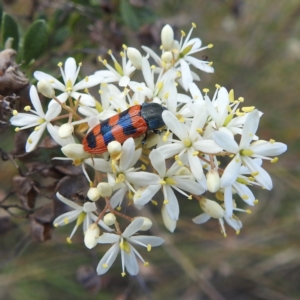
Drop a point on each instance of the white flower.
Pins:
(122, 174)
(214, 210)
(120, 74)
(183, 52)
(69, 88)
(190, 142)
(123, 243)
(37, 119)
(244, 151)
(82, 214)
(91, 236)
(169, 180)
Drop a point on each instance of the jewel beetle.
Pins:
(133, 122)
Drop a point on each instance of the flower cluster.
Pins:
(187, 144)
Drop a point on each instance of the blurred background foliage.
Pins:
(257, 53)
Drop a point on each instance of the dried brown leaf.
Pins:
(23, 188)
(40, 232)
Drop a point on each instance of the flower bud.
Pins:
(135, 57)
(167, 57)
(147, 224)
(91, 236)
(213, 181)
(167, 37)
(93, 194)
(45, 88)
(169, 223)
(65, 130)
(114, 148)
(75, 151)
(104, 189)
(212, 208)
(109, 219)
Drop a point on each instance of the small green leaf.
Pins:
(10, 30)
(134, 17)
(128, 15)
(35, 41)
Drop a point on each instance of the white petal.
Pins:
(99, 164)
(70, 216)
(195, 165)
(187, 77)
(265, 148)
(108, 238)
(133, 227)
(169, 223)
(263, 177)
(154, 241)
(147, 73)
(189, 185)
(88, 82)
(117, 197)
(127, 154)
(142, 178)
(68, 202)
(108, 258)
(124, 81)
(130, 262)
(34, 137)
(153, 55)
(236, 224)
(158, 162)
(22, 119)
(53, 111)
(249, 129)
(207, 146)
(225, 141)
(36, 102)
(231, 172)
(245, 193)
(170, 149)
(70, 69)
(172, 206)
(54, 82)
(201, 218)
(85, 99)
(174, 125)
(144, 196)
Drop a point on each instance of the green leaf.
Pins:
(129, 16)
(10, 30)
(35, 41)
(134, 17)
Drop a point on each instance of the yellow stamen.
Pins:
(205, 90)
(60, 64)
(248, 108)
(166, 201)
(148, 247)
(254, 173)
(217, 86)
(27, 108)
(69, 240)
(154, 202)
(274, 160)
(15, 112)
(246, 152)
(210, 45)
